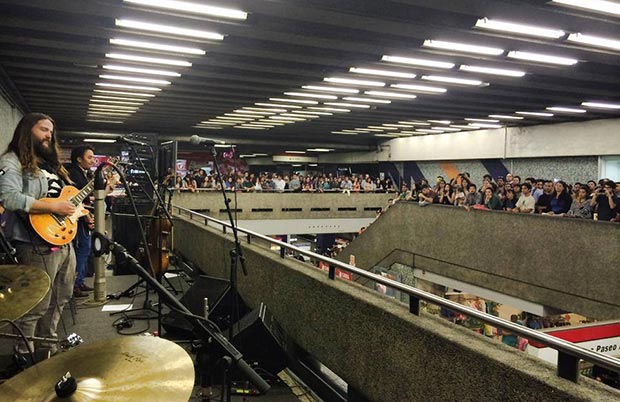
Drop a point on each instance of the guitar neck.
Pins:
(79, 197)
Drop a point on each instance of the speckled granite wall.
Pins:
(9, 117)
(569, 169)
(374, 343)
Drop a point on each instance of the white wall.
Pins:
(597, 137)
(9, 117)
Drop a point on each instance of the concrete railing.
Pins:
(286, 205)
(567, 264)
(569, 354)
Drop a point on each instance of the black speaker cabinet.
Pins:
(220, 300)
(262, 341)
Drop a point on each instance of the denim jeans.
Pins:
(43, 319)
(82, 251)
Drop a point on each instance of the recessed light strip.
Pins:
(531, 30)
(383, 73)
(463, 47)
(156, 46)
(193, 8)
(173, 30)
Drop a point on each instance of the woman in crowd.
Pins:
(446, 195)
(580, 207)
(510, 202)
(490, 200)
(560, 200)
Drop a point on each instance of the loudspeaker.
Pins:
(125, 230)
(262, 341)
(220, 299)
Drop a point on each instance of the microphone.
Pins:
(129, 141)
(195, 139)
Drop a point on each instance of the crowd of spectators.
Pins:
(275, 182)
(592, 200)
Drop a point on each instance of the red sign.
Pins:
(323, 266)
(344, 275)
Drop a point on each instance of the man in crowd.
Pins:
(544, 200)
(33, 171)
(526, 203)
(605, 201)
(82, 159)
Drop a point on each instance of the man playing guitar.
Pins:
(33, 171)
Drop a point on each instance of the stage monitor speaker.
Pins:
(220, 299)
(262, 341)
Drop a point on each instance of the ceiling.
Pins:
(53, 52)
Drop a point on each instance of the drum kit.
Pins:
(135, 368)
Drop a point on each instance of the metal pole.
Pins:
(100, 283)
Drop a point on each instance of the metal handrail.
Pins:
(568, 353)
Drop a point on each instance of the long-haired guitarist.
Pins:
(33, 171)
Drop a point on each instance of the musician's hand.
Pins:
(63, 208)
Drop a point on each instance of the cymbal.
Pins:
(128, 369)
(21, 288)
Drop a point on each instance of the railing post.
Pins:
(414, 305)
(249, 239)
(332, 272)
(224, 229)
(568, 366)
(282, 251)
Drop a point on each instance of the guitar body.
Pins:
(55, 229)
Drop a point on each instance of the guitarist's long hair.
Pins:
(24, 147)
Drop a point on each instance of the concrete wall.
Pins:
(254, 205)
(569, 264)
(373, 343)
(9, 117)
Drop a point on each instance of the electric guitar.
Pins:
(60, 230)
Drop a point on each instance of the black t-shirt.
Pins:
(54, 182)
(545, 201)
(605, 213)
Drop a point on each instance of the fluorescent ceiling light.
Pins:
(415, 123)
(505, 117)
(331, 89)
(383, 73)
(420, 88)
(372, 130)
(104, 91)
(329, 109)
(295, 152)
(398, 125)
(240, 118)
(418, 62)
(543, 58)
(382, 128)
(601, 105)
(303, 113)
(105, 121)
(482, 120)
(224, 145)
(106, 106)
(532, 30)
(252, 112)
(462, 127)
(99, 114)
(134, 79)
(308, 116)
(286, 100)
(115, 102)
(123, 86)
(209, 128)
(275, 119)
(491, 70)
(463, 47)
(594, 41)
(280, 117)
(143, 59)
(386, 135)
(449, 129)
(193, 8)
(156, 46)
(257, 123)
(311, 113)
(540, 114)
(101, 140)
(446, 122)
(389, 94)
(368, 100)
(485, 125)
(243, 116)
(452, 80)
(343, 133)
(140, 70)
(102, 98)
(252, 128)
(277, 105)
(358, 105)
(565, 109)
(145, 26)
(354, 131)
(602, 6)
(262, 109)
(310, 95)
(364, 83)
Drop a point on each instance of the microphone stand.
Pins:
(236, 254)
(99, 263)
(203, 327)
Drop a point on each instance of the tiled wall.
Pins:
(569, 169)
